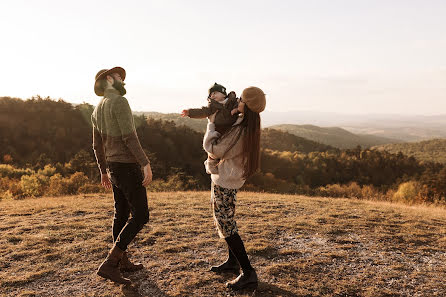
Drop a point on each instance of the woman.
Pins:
(238, 150)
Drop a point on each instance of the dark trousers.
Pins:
(130, 198)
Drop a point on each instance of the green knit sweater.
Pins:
(114, 133)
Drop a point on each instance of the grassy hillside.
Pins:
(429, 150)
(300, 246)
(333, 136)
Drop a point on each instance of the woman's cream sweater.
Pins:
(230, 168)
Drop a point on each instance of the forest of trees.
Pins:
(46, 148)
(433, 150)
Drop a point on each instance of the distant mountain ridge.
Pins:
(331, 136)
(406, 128)
(334, 136)
(398, 128)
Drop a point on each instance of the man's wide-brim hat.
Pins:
(103, 74)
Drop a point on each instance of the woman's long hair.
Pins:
(251, 142)
(250, 132)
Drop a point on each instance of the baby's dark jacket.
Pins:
(223, 118)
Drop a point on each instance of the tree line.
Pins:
(42, 132)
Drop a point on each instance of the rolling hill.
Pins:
(271, 138)
(430, 150)
(283, 141)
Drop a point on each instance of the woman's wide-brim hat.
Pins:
(103, 74)
(254, 98)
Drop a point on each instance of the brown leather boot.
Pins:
(109, 269)
(246, 280)
(128, 266)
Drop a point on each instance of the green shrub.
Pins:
(351, 190)
(10, 171)
(10, 187)
(76, 180)
(6, 195)
(407, 192)
(48, 170)
(175, 182)
(370, 192)
(334, 190)
(90, 188)
(31, 186)
(4, 183)
(76, 183)
(16, 189)
(57, 185)
(268, 182)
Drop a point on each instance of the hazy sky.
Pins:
(353, 56)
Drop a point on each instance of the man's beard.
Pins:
(119, 85)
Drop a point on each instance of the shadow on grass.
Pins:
(269, 290)
(141, 286)
(131, 291)
(142, 290)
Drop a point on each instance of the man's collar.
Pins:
(110, 91)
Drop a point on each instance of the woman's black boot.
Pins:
(248, 278)
(230, 265)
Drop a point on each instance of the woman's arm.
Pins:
(218, 147)
(209, 138)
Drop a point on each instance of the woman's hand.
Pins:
(211, 118)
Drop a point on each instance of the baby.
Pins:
(225, 107)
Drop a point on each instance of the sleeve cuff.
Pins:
(144, 163)
(211, 127)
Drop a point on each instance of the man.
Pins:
(118, 151)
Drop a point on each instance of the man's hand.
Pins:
(185, 113)
(211, 118)
(147, 175)
(105, 181)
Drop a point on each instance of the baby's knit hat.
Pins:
(217, 88)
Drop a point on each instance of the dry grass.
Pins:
(301, 246)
